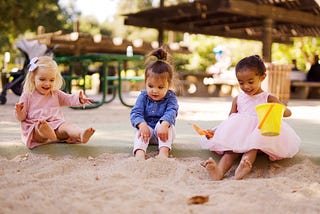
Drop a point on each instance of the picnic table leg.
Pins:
(95, 104)
(120, 84)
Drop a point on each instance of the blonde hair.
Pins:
(47, 63)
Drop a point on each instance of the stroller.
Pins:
(30, 49)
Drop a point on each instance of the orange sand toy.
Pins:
(202, 132)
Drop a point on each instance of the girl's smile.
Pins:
(44, 81)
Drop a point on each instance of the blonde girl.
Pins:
(39, 107)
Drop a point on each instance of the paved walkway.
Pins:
(114, 132)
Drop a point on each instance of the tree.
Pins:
(20, 16)
(303, 50)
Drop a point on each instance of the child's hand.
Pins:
(162, 131)
(144, 132)
(83, 99)
(19, 111)
(19, 107)
(209, 133)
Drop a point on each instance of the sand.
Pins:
(117, 183)
(103, 177)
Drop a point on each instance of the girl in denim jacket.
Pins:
(155, 111)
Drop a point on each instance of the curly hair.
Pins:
(253, 62)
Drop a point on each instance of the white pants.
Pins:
(154, 139)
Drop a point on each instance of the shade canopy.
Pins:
(263, 20)
(77, 43)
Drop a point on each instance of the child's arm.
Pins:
(137, 117)
(66, 99)
(234, 106)
(274, 99)
(171, 111)
(168, 118)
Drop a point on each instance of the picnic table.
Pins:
(78, 68)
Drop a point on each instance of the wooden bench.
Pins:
(304, 90)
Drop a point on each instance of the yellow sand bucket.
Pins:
(270, 117)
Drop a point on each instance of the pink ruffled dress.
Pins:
(44, 107)
(239, 132)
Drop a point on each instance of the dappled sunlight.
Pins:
(305, 112)
(209, 108)
(12, 144)
(7, 123)
(194, 109)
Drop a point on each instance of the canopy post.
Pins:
(160, 30)
(267, 39)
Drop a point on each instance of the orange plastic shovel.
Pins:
(202, 132)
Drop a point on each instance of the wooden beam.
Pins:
(236, 7)
(278, 14)
(190, 28)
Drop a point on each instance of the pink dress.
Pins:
(239, 132)
(44, 107)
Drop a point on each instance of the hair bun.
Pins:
(160, 53)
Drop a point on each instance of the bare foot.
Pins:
(140, 155)
(163, 152)
(212, 169)
(86, 134)
(243, 169)
(46, 131)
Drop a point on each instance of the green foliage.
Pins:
(89, 24)
(202, 55)
(20, 16)
(303, 50)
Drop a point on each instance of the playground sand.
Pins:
(103, 177)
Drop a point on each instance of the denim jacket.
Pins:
(150, 111)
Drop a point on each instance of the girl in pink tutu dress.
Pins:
(39, 107)
(239, 135)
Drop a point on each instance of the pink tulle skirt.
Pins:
(239, 133)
